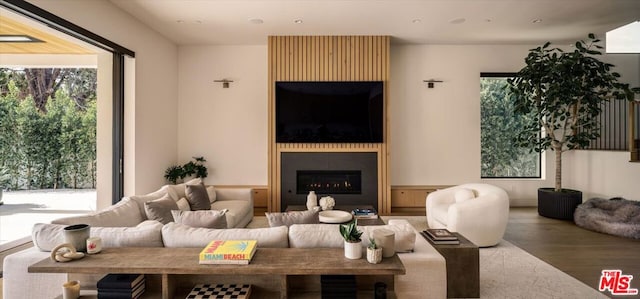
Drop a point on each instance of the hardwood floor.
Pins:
(578, 252)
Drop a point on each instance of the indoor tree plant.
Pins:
(565, 93)
(194, 168)
(352, 240)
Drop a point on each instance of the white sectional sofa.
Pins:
(124, 225)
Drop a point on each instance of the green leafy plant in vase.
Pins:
(352, 240)
(561, 95)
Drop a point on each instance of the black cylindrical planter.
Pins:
(558, 205)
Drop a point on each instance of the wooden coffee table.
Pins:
(463, 268)
(274, 272)
(347, 208)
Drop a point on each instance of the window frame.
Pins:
(119, 52)
(540, 154)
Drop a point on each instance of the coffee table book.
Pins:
(228, 252)
(439, 242)
(364, 213)
(440, 234)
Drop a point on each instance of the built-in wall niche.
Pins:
(350, 178)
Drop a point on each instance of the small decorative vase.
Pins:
(374, 256)
(312, 200)
(327, 203)
(77, 236)
(353, 250)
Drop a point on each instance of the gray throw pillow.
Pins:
(202, 218)
(160, 209)
(290, 218)
(198, 197)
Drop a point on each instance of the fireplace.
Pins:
(329, 181)
(350, 178)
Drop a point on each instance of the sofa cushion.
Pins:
(328, 235)
(160, 209)
(124, 213)
(183, 204)
(141, 199)
(202, 218)
(146, 234)
(295, 217)
(464, 194)
(237, 210)
(180, 235)
(198, 197)
(211, 191)
(179, 191)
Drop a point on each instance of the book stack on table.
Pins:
(440, 236)
(364, 213)
(121, 286)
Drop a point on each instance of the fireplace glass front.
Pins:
(329, 181)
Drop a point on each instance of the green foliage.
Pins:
(499, 125)
(372, 243)
(192, 168)
(45, 148)
(350, 231)
(565, 92)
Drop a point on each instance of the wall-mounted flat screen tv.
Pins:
(327, 112)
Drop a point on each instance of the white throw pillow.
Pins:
(183, 204)
(211, 191)
(464, 194)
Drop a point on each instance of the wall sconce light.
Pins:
(225, 82)
(431, 82)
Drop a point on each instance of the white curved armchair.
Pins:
(481, 219)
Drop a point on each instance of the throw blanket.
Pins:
(616, 216)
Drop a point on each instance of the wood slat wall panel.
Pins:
(328, 58)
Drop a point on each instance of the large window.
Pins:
(499, 125)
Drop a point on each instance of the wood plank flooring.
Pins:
(578, 252)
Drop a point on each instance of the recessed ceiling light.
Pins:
(256, 21)
(18, 38)
(416, 21)
(298, 21)
(458, 21)
(535, 21)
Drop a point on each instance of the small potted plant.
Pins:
(374, 252)
(352, 240)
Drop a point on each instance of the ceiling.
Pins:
(214, 22)
(50, 43)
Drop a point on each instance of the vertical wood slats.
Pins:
(328, 58)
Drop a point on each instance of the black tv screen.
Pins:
(326, 112)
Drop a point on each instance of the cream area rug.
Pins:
(507, 271)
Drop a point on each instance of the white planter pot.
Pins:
(353, 250)
(374, 256)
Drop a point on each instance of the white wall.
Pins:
(156, 90)
(228, 126)
(435, 133)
